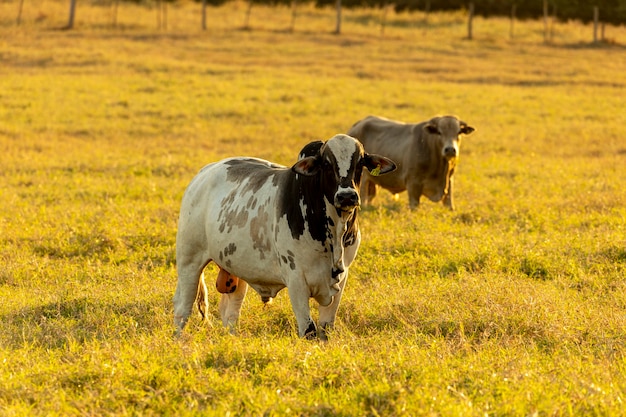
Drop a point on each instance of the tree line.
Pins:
(612, 11)
(600, 12)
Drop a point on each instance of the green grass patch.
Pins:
(512, 305)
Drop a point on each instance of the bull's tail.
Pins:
(202, 300)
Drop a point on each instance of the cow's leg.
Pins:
(447, 198)
(371, 189)
(299, 296)
(329, 312)
(230, 305)
(368, 189)
(414, 201)
(415, 192)
(189, 270)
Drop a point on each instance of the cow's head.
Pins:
(447, 130)
(339, 162)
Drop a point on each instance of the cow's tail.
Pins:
(202, 300)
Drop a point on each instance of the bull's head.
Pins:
(339, 162)
(448, 130)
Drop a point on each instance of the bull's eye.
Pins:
(434, 130)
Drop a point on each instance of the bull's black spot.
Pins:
(232, 290)
(229, 250)
(229, 282)
(259, 231)
(300, 189)
(288, 260)
(253, 172)
(252, 202)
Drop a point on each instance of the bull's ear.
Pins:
(378, 165)
(307, 166)
(466, 129)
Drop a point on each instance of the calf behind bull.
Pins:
(274, 227)
(427, 154)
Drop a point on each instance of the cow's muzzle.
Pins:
(449, 152)
(347, 200)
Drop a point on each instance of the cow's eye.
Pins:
(433, 130)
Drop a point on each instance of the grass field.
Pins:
(514, 304)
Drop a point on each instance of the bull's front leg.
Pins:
(415, 191)
(329, 312)
(447, 198)
(299, 296)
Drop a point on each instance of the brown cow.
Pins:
(426, 154)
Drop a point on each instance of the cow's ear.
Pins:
(308, 166)
(378, 165)
(466, 129)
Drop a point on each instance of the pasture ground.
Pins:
(515, 304)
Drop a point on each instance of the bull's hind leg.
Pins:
(230, 305)
(189, 270)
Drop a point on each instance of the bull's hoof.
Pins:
(311, 332)
(324, 330)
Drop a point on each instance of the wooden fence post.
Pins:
(596, 18)
(469, 20)
(513, 11)
(545, 20)
(204, 2)
(70, 22)
(338, 8)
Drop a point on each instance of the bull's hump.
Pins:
(252, 172)
(238, 169)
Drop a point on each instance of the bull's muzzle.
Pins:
(347, 199)
(449, 152)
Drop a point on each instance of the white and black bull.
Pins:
(274, 227)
